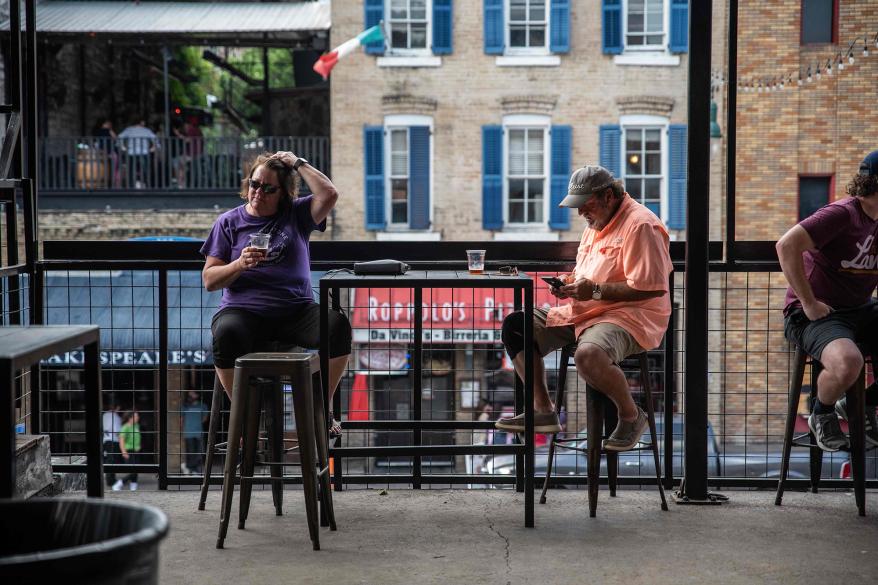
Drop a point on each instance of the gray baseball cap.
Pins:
(584, 183)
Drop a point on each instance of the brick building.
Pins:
(471, 120)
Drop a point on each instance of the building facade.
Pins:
(467, 124)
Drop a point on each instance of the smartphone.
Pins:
(553, 281)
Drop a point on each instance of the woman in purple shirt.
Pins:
(267, 293)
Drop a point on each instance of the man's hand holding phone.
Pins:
(556, 282)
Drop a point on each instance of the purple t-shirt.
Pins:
(283, 280)
(843, 270)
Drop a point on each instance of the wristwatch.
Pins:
(299, 162)
(596, 293)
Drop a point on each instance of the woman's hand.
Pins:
(250, 257)
(286, 157)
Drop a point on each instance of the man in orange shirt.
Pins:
(620, 304)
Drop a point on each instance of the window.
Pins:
(528, 22)
(643, 165)
(645, 24)
(813, 194)
(399, 177)
(526, 177)
(408, 24)
(819, 21)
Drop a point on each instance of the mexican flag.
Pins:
(327, 61)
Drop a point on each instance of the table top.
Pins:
(431, 278)
(24, 345)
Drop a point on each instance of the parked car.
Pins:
(763, 461)
(631, 463)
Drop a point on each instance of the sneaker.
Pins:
(133, 486)
(544, 422)
(117, 487)
(185, 469)
(627, 433)
(827, 431)
(871, 423)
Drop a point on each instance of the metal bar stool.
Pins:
(856, 425)
(601, 420)
(303, 370)
(214, 448)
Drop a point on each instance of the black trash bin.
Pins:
(80, 541)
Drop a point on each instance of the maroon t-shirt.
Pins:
(842, 270)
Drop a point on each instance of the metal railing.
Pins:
(92, 163)
(148, 295)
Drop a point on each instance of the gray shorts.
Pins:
(855, 323)
(614, 340)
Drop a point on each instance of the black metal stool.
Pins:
(601, 421)
(856, 415)
(274, 432)
(303, 370)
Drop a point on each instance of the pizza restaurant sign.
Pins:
(447, 314)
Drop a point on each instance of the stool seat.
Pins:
(856, 425)
(601, 421)
(303, 372)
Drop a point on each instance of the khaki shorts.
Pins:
(611, 338)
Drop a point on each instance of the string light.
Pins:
(799, 80)
(829, 67)
(865, 48)
(817, 74)
(841, 62)
(809, 78)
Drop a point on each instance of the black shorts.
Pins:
(855, 323)
(237, 332)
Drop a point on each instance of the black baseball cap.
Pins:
(869, 166)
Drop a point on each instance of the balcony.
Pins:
(90, 172)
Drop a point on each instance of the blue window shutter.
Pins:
(679, 41)
(419, 177)
(494, 27)
(559, 33)
(373, 144)
(492, 177)
(442, 27)
(374, 15)
(562, 143)
(611, 148)
(612, 24)
(678, 175)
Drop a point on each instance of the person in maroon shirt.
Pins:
(830, 260)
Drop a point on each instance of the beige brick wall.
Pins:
(468, 89)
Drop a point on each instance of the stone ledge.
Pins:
(528, 104)
(646, 104)
(404, 103)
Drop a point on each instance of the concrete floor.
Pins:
(470, 537)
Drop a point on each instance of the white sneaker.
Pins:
(133, 486)
(185, 469)
(117, 487)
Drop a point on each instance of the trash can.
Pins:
(80, 541)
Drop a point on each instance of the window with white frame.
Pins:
(644, 166)
(398, 177)
(645, 24)
(528, 25)
(526, 175)
(408, 23)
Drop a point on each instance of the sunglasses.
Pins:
(266, 187)
(508, 271)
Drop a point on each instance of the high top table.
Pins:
(22, 347)
(418, 280)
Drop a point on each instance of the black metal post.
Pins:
(697, 244)
(731, 129)
(163, 380)
(417, 382)
(93, 433)
(266, 95)
(670, 389)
